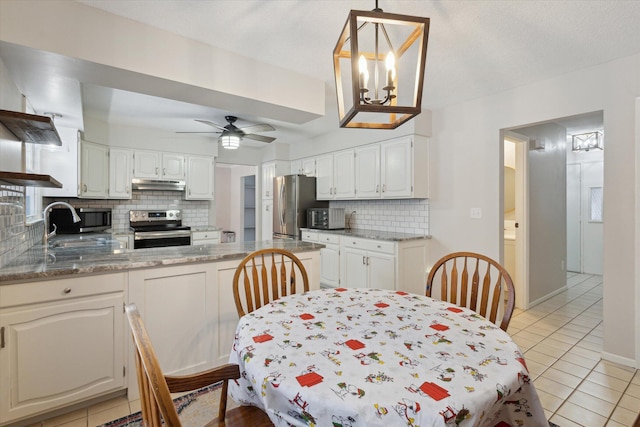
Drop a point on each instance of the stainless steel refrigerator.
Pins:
(292, 196)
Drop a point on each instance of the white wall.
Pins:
(10, 147)
(465, 157)
(223, 197)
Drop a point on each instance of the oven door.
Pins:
(160, 239)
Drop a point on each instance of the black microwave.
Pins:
(91, 220)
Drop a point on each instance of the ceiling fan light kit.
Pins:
(231, 135)
(379, 63)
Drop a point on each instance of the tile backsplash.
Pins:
(402, 216)
(15, 236)
(195, 213)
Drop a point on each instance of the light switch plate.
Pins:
(476, 213)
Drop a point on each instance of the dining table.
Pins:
(347, 357)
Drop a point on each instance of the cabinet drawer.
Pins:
(370, 245)
(202, 235)
(310, 236)
(60, 289)
(328, 238)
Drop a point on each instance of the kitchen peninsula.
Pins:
(65, 339)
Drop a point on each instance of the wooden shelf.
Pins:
(29, 179)
(30, 127)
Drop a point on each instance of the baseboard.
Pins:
(626, 361)
(546, 297)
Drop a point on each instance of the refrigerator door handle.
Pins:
(283, 204)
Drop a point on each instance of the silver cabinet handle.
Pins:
(378, 188)
(363, 261)
(368, 260)
(384, 188)
(67, 290)
(164, 171)
(84, 188)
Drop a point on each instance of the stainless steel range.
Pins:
(155, 229)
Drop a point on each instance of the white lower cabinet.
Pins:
(62, 342)
(364, 268)
(383, 264)
(211, 237)
(179, 307)
(329, 256)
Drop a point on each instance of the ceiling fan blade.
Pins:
(207, 122)
(199, 132)
(259, 127)
(260, 138)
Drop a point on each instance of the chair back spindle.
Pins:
(267, 275)
(483, 294)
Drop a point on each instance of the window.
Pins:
(595, 204)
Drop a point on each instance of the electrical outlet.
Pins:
(476, 213)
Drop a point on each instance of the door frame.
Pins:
(522, 213)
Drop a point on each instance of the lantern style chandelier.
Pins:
(587, 141)
(368, 95)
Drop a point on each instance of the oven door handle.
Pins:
(147, 235)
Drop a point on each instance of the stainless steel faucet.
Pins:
(45, 215)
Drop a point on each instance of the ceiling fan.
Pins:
(231, 135)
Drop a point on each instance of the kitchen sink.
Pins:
(79, 243)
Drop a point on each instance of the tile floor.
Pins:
(561, 339)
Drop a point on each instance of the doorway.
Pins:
(553, 189)
(230, 199)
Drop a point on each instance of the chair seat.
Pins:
(243, 416)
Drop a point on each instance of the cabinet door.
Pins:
(173, 166)
(367, 165)
(178, 307)
(119, 173)
(296, 167)
(267, 219)
(344, 179)
(330, 265)
(396, 168)
(309, 167)
(355, 268)
(268, 173)
(146, 164)
(200, 178)
(60, 353)
(94, 170)
(324, 177)
(382, 271)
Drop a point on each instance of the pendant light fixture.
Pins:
(230, 140)
(379, 63)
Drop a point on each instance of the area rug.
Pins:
(195, 409)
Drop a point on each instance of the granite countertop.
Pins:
(42, 262)
(373, 234)
(213, 228)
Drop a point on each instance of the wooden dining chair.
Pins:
(474, 281)
(266, 275)
(155, 387)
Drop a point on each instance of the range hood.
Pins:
(30, 127)
(157, 184)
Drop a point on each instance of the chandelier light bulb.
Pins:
(390, 62)
(364, 73)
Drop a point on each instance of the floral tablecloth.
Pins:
(364, 357)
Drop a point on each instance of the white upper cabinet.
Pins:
(94, 171)
(157, 165)
(296, 167)
(335, 175)
(309, 167)
(394, 169)
(200, 178)
(120, 170)
(367, 168)
(269, 171)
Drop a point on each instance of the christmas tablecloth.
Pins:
(365, 357)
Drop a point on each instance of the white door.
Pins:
(368, 172)
(330, 265)
(382, 271)
(396, 171)
(574, 241)
(119, 173)
(344, 185)
(355, 268)
(324, 177)
(592, 221)
(173, 166)
(146, 164)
